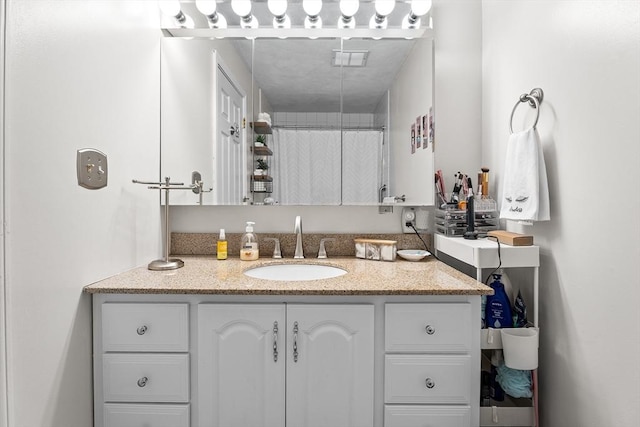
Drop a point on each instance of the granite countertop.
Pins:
(206, 275)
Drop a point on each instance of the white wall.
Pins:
(458, 87)
(585, 55)
(78, 74)
(410, 98)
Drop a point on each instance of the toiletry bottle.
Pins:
(221, 246)
(495, 390)
(498, 308)
(249, 244)
(506, 281)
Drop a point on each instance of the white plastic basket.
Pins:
(520, 347)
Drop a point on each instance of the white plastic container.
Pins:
(520, 348)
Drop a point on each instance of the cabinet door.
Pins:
(241, 362)
(330, 365)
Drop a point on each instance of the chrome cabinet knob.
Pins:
(142, 329)
(142, 381)
(430, 383)
(430, 330)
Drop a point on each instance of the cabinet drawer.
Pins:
(427, 379)
(427, 416)
(145, 327)
(136, 415)
(428, 328)
(145, 377)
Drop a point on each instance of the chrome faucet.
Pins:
(299, 253)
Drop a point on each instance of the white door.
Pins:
(241, 365)
(229, 152)
(330, 365)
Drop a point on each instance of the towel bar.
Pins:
(534, 98)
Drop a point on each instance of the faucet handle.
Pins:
(322, 253)
(277, 254)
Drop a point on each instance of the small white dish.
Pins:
(413, 254)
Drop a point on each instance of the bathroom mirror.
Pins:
(343, 117)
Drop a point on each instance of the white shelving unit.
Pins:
(483, 254)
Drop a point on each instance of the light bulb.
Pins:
(420, 7)
(282, 22)
(250, 23)
(385, 7)
(169, 7)
(350, 24)
(219, 22)
(206, 7)
(349, 7)
(312, 7)
(408, 23)
(312, 23)
(241, 8)
(187, 22)
(378, 24)
(277, 7)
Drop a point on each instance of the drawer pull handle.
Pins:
(275, 341)
(430, 383)
(430, 330)
(142, 329)
(142, 381)
(295, 342)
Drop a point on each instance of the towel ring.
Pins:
(534, 98)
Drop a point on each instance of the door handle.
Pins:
(235, 130)
(295, 342)
(275, 341)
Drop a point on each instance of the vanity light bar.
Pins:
(384, 15)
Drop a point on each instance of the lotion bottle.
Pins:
(221, 246)
(249, 244)
(498, 307)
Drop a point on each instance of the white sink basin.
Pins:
(295, 272)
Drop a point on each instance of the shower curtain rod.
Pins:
(328, 127)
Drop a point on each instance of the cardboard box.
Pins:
(512, 239)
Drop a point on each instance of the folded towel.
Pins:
(525, 191)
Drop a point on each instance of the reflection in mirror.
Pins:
(205, 90)
(302, 87)
(340, 134)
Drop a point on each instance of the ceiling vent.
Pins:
(349, 58)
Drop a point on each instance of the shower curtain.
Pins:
(308, 167)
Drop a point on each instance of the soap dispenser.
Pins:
(249, 244)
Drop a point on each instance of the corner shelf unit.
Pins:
(261, 184)
(261, 128)
(483, 254)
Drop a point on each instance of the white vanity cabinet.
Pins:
(429, 364)
(257, 369)
(143, 358)
(286, 360)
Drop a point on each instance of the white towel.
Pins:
(525, 191)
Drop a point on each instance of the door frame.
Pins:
(220, 65)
